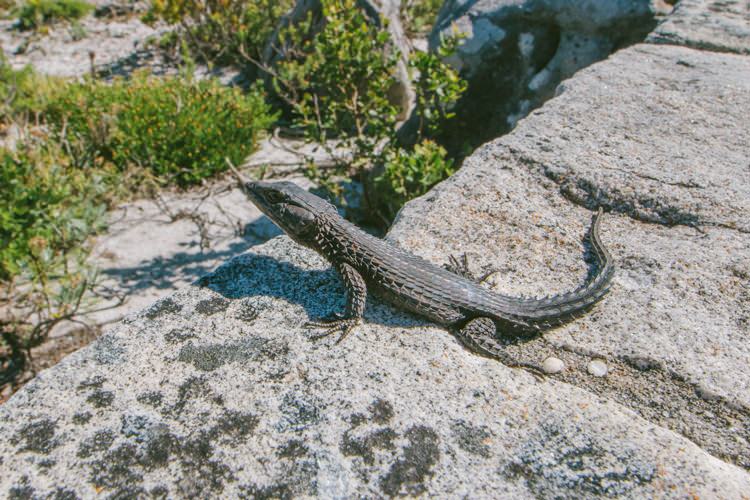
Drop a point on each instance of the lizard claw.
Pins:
(461, 267)
(343, 325)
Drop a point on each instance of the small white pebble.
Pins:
(553, 365)
(597, 368)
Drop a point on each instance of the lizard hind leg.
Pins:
(460, 266)
(333, 325)
(478, 335)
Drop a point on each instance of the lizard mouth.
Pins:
(256, 193)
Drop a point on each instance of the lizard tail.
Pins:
(548, 312)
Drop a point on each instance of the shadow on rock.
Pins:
(319, 292)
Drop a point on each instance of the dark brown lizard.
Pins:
(366, 263)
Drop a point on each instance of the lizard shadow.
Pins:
(320, 292)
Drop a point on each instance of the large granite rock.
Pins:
(218, 390)
(515, 52)
(635, 135)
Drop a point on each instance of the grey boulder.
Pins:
(515, 52)
(219, 390)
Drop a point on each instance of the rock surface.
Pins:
(220, 390)
(196, 231)
(657, 135)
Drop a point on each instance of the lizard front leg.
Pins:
(478, 334)
(356, 297)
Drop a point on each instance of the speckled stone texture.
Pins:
(658, 136)
(219, 389)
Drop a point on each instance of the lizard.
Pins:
(366, 263)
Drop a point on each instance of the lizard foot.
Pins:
(461, 267)
(343, 325)
(479, 336)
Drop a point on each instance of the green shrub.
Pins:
(408, 174)
(223, 31)
(53, 196)
(36, 13)
(48, 210)
(336, 81)
(438, 87)
(16, 86)
(47, 214)
(181, 130)
(418, 16)
(22, 91)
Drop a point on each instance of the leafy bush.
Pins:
(335, 77)
(181, 130)
(223, 31)
(47, 215)
(418, 16)
(36, 13)
(16, 86)
(408, 174)
(338, 79)
(92, 136)
(48, 209)
(438, 87)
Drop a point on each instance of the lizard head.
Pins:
(290, 207)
